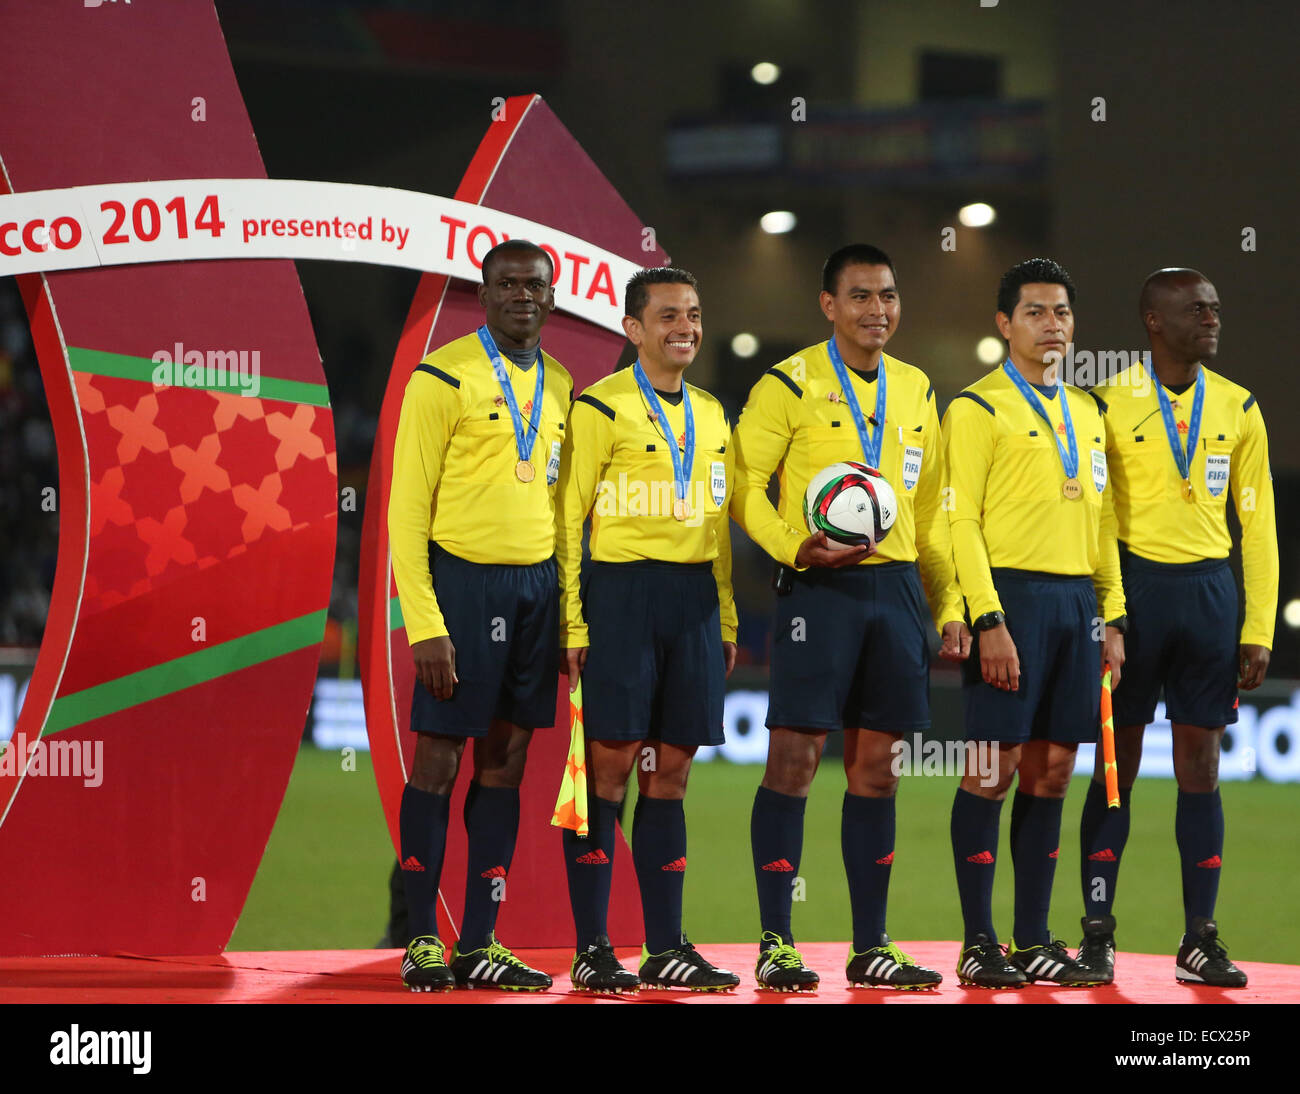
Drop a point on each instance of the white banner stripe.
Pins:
(206, 219)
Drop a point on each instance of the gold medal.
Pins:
(681, 510)
(1187, 490)
(1071, 489)
(524, 471)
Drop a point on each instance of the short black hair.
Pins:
(855, 254)
(1164, 279)
(637, 294)
(521, 245)
(1032, 271)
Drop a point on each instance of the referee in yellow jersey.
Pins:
(652, 630)
(1033, 534)
(471, 522)
(850, 646)
(1181, 439)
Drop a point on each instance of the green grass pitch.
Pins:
(323, 883)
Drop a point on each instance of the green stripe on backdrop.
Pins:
(122, 367)
(185, 672)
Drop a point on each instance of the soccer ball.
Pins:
(852, 503)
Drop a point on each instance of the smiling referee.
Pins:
(653, 629)
(471, 522)
(850, 647)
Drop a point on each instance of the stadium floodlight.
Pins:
(989, 350)
(778, 222)
(977, 215)
(744, 344)
(1291, 614)
(765, 72)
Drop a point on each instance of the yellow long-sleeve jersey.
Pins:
(797, 422)
(1004, 496)
(616, 467)
(454, 476)
(1156, 521)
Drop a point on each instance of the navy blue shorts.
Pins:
(851, 648)
(505, 624)
(1182, 637)
(655, 668)
(1052, 620)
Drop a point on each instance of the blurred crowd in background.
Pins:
(29, 468)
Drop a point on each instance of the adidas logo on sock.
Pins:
(496, 871)
(1211, 863)
(888, 860)
(1055, 854)
(676, 866)
(984, 858)
(1103, 856)
(593, 858)
(780, 866)
(412, 864)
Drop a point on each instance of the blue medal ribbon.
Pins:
(1182, 459)
(1070, 456)
(524, 438)
(870, 445)
(682, 465)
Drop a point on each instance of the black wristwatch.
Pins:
(988, 620)
(1120, 623)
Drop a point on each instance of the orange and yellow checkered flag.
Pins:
(571, 806)
(1108, 739)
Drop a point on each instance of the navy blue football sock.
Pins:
(589, 864)
(1198, 827)
(974, 832)
(422, 826)
(491, 825)
(867, 842)
(659, 855)
(776, 838)
(1035, 844)
(1103, 832)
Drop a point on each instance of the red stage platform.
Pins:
(371, 976)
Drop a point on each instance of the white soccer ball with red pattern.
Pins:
(852, 503)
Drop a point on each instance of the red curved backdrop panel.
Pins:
(196, 525)
(530, 165)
